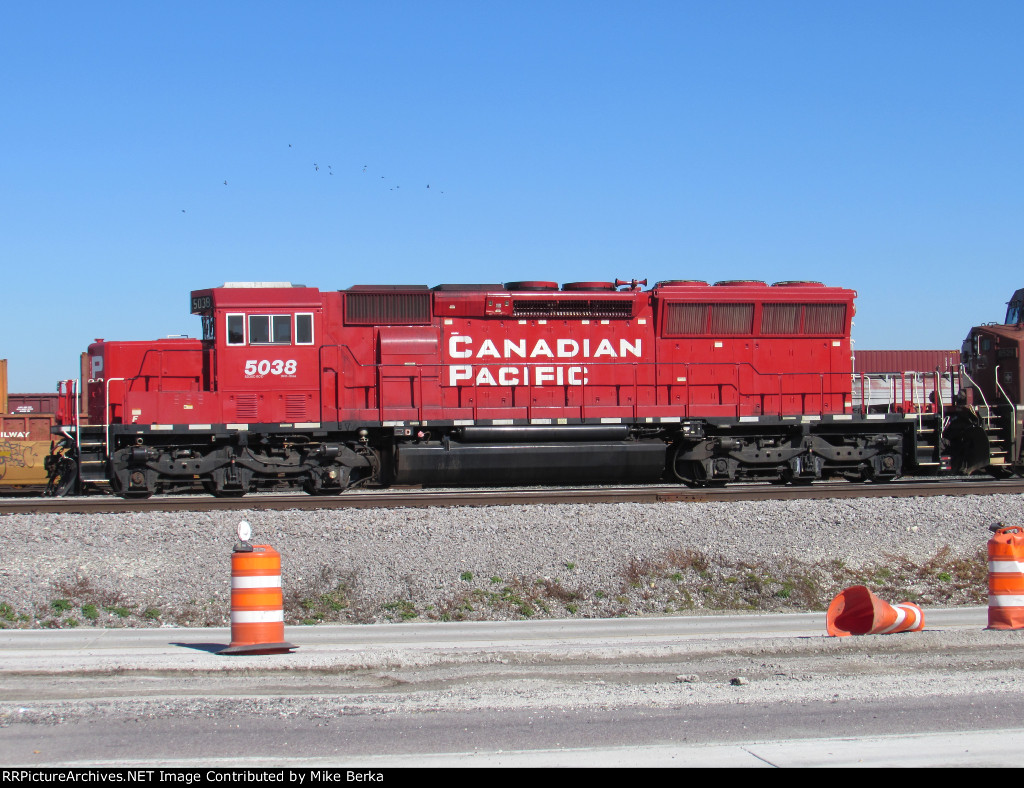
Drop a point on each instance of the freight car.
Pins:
(487, 384)
(24, 440)
(905, 380)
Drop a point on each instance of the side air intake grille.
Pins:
(564, 307)
(246, 407)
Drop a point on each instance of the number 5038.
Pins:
(265, 367)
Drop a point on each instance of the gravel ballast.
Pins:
(501, 562)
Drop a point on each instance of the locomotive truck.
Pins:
(508, 383)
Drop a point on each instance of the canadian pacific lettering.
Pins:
(463, 346)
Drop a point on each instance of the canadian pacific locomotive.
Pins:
(509, 383)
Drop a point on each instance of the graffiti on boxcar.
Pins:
(16, 455)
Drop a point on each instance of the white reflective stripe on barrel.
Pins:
(1007, 600)
(256, 616)
(1006, 566)
(260, 581)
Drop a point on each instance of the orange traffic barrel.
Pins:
(856, 611)
(1006, 579)
(257, 604)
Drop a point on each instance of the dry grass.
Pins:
(682, 580)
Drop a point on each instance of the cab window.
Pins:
(236, 329)
(304, 329)
(270, 329)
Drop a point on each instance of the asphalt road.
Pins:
(765, 690)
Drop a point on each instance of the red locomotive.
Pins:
(985, 433)
(490, 384)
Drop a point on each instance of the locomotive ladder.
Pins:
(92, 457)
(928, 443)
(997, 424)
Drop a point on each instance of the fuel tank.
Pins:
(552, 462)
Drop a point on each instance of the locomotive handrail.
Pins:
(320, 362)
(988, 421)
(895, 388)
(995, 375)
(1013, 410)
(160, 366)
(106, 410)
(416, 372)
(78, 413)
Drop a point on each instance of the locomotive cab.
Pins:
(992, 356)
(263, 337)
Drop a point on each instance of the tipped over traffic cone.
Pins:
(856, 611)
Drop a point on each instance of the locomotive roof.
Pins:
(284, 295)
(255, 294)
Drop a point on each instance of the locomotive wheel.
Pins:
(210, 487)
(313, 486)
(309, 488)
(136, 494)
(788, 477)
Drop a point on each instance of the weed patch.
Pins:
(330, 596)
(686, 580)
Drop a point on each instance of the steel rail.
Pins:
(395, 498)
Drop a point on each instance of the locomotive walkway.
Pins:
(395, 497)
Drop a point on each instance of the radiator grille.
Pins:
(686, 318)
(816, 319)
(781, 318)
(732, 318)
(694, 319)
(825, 319)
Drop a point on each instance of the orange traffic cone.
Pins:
(1006, 578)
(856, 611)
(257, 604)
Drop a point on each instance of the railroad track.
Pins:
(404, 497)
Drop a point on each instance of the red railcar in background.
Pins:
(905, 381)
(499, 383)
(32, 403)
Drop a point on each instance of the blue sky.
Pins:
(870, 145)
